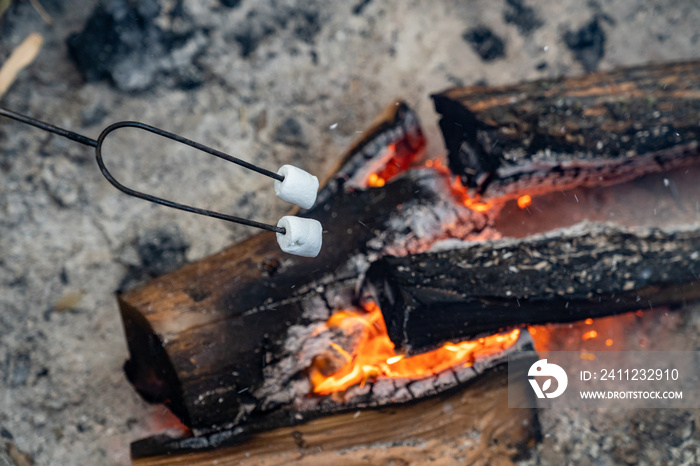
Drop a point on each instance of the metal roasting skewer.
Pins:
(97, 144)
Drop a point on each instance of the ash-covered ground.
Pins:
(274, 82)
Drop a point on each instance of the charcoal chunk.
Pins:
(252, 32)
(162, 250)
(588, 44)
(304, 21)
(485, 43)
(291, 133)
(360, 7)
(525, 18)
(230, 3)
(123, 43)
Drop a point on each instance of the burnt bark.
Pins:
(590, 270)
(557, 134)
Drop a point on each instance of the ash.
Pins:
(266, 80)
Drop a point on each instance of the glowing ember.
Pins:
(375, 181)
(458, 188)
(588, 356)
(399, 158)
(524, 201)
(374, 354)
(620, 331)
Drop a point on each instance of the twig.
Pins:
(22, 56)
(42, 12)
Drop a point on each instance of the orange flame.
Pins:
(374, 354)
(458, 189)
(400, 158)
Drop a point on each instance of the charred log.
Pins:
(590, 270)
(547, 135)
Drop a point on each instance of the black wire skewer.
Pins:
(97, 144)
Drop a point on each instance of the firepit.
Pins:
(416, 296)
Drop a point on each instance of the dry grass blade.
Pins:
(22, 56)
(42, 12)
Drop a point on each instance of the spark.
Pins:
(394, 359)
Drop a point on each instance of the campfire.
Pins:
(433, 271)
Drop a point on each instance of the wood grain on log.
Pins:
(472, 425)
(546, 135)
(586, 271)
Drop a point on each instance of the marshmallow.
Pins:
(302, 237)
(298, 187)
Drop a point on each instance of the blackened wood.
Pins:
(557, 134)
(430, 430)
(206, 338)
(586, 271)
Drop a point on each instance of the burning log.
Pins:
(599, 129)
(587, 271)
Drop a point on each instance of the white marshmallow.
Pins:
(298, 187)
(303, 236)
